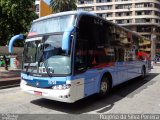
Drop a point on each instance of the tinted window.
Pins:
(93, 38)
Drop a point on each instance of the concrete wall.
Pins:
(16, 50)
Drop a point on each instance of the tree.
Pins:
(63, 5)
(15, 18)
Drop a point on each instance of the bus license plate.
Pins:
(38, 93)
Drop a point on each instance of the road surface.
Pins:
(136, 96)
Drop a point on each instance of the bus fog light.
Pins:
(65, 96)
(66, 86)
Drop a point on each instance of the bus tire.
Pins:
(143, 72)
(104, 86)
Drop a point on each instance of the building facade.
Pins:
(42, 8)
(142, 16)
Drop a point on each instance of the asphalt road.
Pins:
(135, 96)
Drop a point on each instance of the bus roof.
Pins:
(65, 13)
(84, 13)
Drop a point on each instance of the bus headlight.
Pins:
(61, 87)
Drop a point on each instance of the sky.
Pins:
(47, 1)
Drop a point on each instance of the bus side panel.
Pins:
(109, 70)
(90, 78)
(133, 69)
(121, 72)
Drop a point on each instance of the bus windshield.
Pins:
(45, 53)
(54, 24)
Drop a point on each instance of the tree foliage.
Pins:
(63, 5)
(15, 18)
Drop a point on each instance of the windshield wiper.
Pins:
(28, 68)
(24, 58)
(44, 62)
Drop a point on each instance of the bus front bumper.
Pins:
(67, 95)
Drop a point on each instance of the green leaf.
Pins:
(15, 18)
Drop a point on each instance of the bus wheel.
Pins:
(143, 72)
(104, 87)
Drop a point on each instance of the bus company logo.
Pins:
(37, 83)
(36, 75)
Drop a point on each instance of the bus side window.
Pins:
(80, 56)
(121, 55)
(116, 55)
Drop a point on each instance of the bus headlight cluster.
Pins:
(61, 87)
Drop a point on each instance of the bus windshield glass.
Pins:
(54, 24)
(45, 53)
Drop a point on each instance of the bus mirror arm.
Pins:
(66, 41)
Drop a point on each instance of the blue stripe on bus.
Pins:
(120, 72)
(43, 83)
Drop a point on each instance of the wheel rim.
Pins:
(104, 87)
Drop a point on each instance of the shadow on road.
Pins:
(93, 103)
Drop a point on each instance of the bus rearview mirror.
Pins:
(66, 41)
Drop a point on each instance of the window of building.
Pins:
(126, 6)
(85, 1)
(121, 0)
(86, 9)
(157, 13)
(157, 6)
(157, 21)
(37, 7)
(144, 28)
(120, 14)
(105, 15)
(124, 21)
(103, 1)
(139, 13)
(143, 20)
(147, 12)
(142, 5)
(108, 7)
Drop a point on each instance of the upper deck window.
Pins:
(54, 24)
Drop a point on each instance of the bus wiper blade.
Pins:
(46, 67)
(44, 62)
(28, 68)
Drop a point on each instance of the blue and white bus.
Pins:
(71, 55)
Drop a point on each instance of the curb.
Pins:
(9, 83)
(9, 86)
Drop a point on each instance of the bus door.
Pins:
(82, 66)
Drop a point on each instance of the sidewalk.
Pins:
(9, 78)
